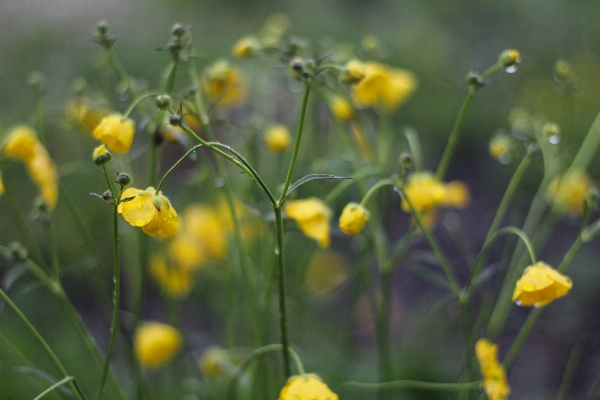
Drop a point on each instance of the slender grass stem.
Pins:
(54, 387)
(410, 384)
(283, 320)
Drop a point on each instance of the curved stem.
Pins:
(375, 187)
(186, 155)
(55, 386)
(137, 101)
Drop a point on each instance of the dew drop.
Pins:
(504, 158)
(149, 216)
(139, 206)
(511, 69)
(139, 222)
(219, 182)
(277, 250)
(554, 139)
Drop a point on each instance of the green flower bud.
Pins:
(17, 251)
(124, 179)
(101, 155)
(509, 58)
(164, 102)
(175, 119)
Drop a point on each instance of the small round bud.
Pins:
(101, 155)
(509, 58)
(178, 30)
(36, 80)
(562, 70)
(405, 158)
(107, 195)
(551, 129)
(175, 119)
(474, 79)
(102, 28)
(353, 72)
(124, 179)
(163, 102)
(17, 251)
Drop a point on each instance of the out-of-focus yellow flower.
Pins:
(341, 108)
(278, 138)
(116, 132)
(540, 285)
(1, 186)
(353, 72)
(569, 192)
(326, 270)
(187, 251)
(275, 26)
(205, 223)
(150, 211)
(312, 216)
(246, 47)
(353, 219)
(215, 362)
(23, 145)
(500, 147)
(383, 87)
(224, 85)
(306, 387)
(494, 376)
(427, 194)
(156, 344)
(85, 114)
(174, 280)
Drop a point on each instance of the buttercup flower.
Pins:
(206, 225)
(278, 138)
(150, 211)
(569, 192)
(215, 362)
(85, 114)
(23, 145)
(353, 219)
(500, 147)
(116, 132)
(353, 72)
(306, 387)
(494, 376)
(540, 285)
(312, 216)
(156, 344)
(1, 186)
(187, 251)
(383, 87)
(427, 194)
(224, 85)
(246, 47)
(340, 108)
(174, 280)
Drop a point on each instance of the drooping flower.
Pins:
(312, 216)
(150, 211)
(116, 132)
(156, 344)
(494, 376)
(353, 219)
(224, 85)
(278, 138)
(23, 145)
(383, 87)
(306, 387)
(540, 285)
(427, 194)
(569, 192)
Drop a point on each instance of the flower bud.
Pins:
(164, 102)
(551, 129)
(353, 72)
(509, 58)
(406, 159)
(17, 251)
(107, 196)
(562, 70)
(178, 30)
(101, 155)
(124, 179)
(353, 219)
(175, 119)
(36, 80)
(246, 47)
(474, 79)
(297, 65)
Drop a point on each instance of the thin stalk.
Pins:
(186, 155)
(567, 380)
(54, 387)
(409, 384)
(283, 321)
(466, 327)
(375, 187)
(594, 389)
(521, 336)
(55, 262)
(42, 342)
(383, 329)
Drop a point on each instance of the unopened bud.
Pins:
(551, 129)
(509, 58)
(474, 79)
(163, 102)
(101, 155)
(17, 251)
(178, 30)
(107, 195)
(124, 179)
(175, 119)
(406, 158)
(562, 70)
(353, 72)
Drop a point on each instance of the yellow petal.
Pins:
(140, 211)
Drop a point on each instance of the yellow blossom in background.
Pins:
(306, 387)
(186, 251)
(353, 219)
(224, 85)
(156, 344)
(353, 72)
(540, 285)
(326, 270)
(215, 362)
(278, 138)
(275, 26)
(246, 47)
(85, 114)
(383, 87)
(340, 108)
(500, 147)
(206, 224)
(1, 186)
(312, 216)
(150, 211)
(116, 132)
(427, 194)
(494, 376)
(569, 192)
(174, 280)
(22, 144)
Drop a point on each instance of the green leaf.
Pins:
(312, 177)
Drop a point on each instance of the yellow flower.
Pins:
(500, 147)
(540, 285)
(383, 87)
(353, 219)
(340, 108)
(306, 387)
(175, 281)
(275, 26)
(85, 114)
(101, 156)
(353, 72)
(204, 223)
(23, 145)
(510, 57)
(278, 138)
(187, 251)
(569, 192)
(494, 376)
(312, 215)
(246, 47)
(1, 186)
(214, 362)
(150, 211)
(427, 194)
(224, 85)
(326, 270)
(156, 344)
(116, 132)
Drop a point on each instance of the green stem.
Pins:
(594, 389)
(375, 187)
(383, 333)
(54, 387)
(588, 147)
(41, 341)
(520, 339)
(283, 321)
(137, 101)
(410, 384)
(567, 380)
(186, 155)
(288, 179)
(466, 327)
(53, 248)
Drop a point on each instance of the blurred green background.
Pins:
(439, 40)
